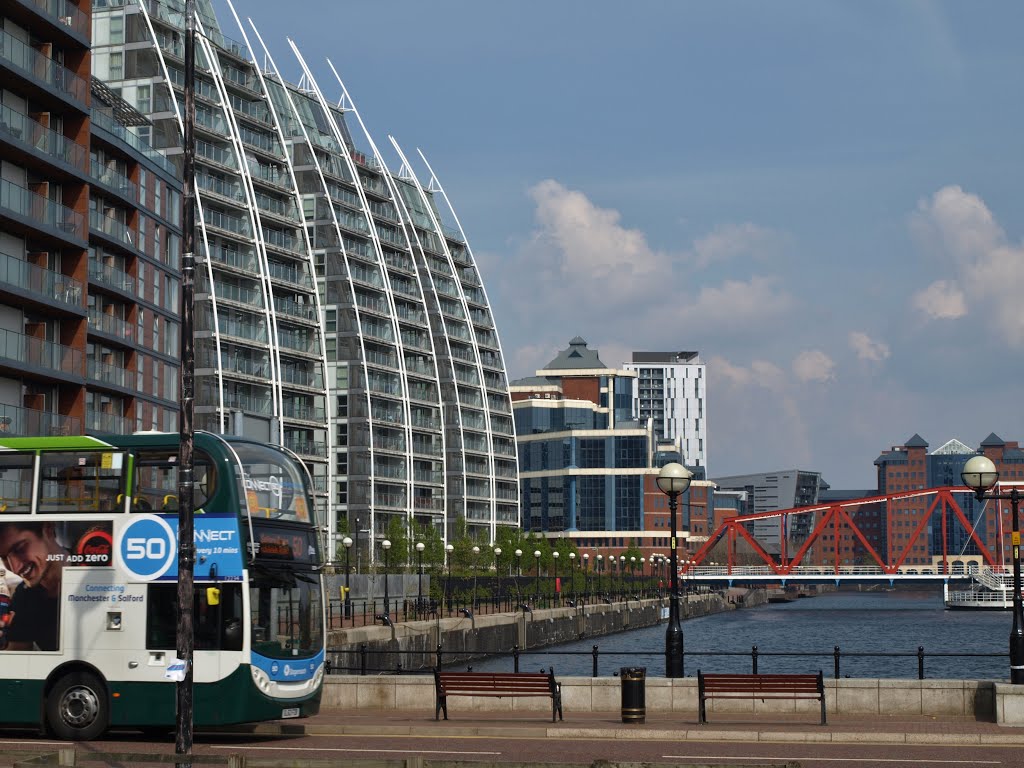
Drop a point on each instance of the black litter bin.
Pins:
(634, 705)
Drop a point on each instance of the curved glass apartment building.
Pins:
(339, 309)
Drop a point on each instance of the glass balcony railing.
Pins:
(64, 12)
(292, 308)
(107, 123)
(28, 422)
(305, 447)
(305, 412)
(111, 276)
(107, 423)
(37, 136)
(27, 350)
(118, 376)
(37, 66)
(40, 281)
(40, 209)
(114, 326)
(112, 228)
(113, 179)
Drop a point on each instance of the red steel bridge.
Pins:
(922, 535)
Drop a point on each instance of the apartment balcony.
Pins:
(302, 412)
(16, 421)
(111, 277)
(116, 329)
(114, 231)
(30, 64)
(113, 181)
(20, 351)
(35, 145)
(305, 447)
(20, 279)
(27, 210)
(100, 119)
(107, 423)
(62, 14)
(110, 375)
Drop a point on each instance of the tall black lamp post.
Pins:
(554, 586)
(980, 475)
(622, 574)
(497, 569)
(572, 574)
(586, 577)
(476, 559)
(536, 585)
(449, 548)
(599, 567)
(420, 546)
(674, 479)
(347, 606)
(386, 546)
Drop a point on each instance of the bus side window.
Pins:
(155, 484)
(87, 481)
(16, 482)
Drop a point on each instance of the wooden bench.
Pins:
(497, 684)
(759, 687)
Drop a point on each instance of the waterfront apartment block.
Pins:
(339, 307)
(89, 240)
(671, 389)
(588, 468)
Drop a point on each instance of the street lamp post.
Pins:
(347, 606)
(980, 475)
(586, 577)
(554, 587)
(449, 548)
(536, 585)
(386, 546)
(476, 557)
(622, 574)
(599, 567)
(497, 569)
(572, 575)
(420, 546)
(674, 479)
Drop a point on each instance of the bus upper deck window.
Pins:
(88, 481)
(16, 482)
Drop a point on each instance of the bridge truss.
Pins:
(877, 537)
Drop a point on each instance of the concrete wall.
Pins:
(413, 644)
(968, 698)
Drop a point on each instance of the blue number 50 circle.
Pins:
(146, 547)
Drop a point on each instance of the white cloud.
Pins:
(731, 240)
(814, 365)
(942, 300)
(867, 348)
(736, 304)
(989, 269)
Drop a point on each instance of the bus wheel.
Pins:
(77, 709)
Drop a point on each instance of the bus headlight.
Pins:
(260, 678)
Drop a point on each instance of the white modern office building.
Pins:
(339, 307)
(671, 390)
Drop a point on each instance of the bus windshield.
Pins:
(286, 610)
(274, 485)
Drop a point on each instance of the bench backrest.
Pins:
(493, 682)
(754, 684)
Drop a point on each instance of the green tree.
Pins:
(398, 535)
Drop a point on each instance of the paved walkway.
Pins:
(841, 729)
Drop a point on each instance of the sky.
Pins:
(821, 198)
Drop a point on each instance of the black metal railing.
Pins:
(373, 661)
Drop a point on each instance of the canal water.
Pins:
(858, 622)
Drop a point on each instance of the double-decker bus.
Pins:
(88, 594)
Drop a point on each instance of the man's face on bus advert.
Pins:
(28, 552)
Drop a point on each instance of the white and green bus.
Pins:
(88, 594)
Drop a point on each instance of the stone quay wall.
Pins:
(983, 700)
(412, 646)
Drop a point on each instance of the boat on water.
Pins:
(988, 591)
